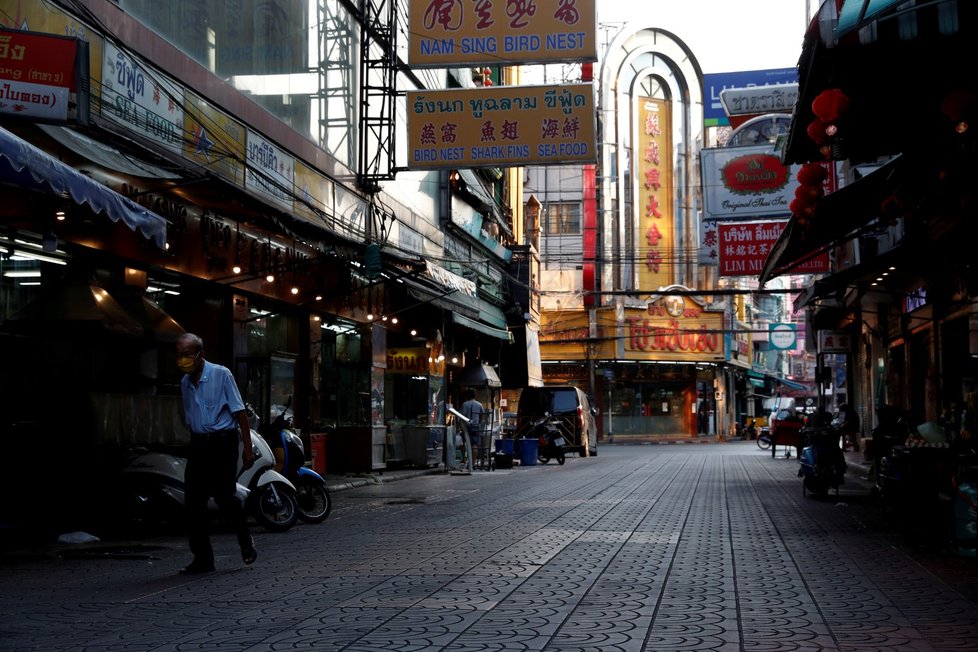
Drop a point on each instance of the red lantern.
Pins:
(830, 105)
(816, 131)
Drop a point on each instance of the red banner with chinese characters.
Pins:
(37, 74)
(744, 247)
(656, 248)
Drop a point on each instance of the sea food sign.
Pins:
(445, 33)
(503, 126)
(674, 329)
(746, 182)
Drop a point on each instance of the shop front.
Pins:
(652, 372)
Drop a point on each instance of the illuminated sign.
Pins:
(500, 32)
(501, 127)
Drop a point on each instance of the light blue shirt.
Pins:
(210, 405)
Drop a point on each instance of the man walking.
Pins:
(216, 417)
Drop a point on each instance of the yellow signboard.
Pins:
(501, 127)
(315, 194)
(500, 32)
(657, 250)
(566, 335)
(674, 329)
(215, 140)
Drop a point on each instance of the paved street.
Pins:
(678, 547)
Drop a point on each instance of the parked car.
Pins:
(569, 406)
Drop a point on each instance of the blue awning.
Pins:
(25, 165)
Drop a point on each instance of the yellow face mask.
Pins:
(187, 365)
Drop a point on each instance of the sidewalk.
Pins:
(338, 482)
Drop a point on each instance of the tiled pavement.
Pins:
(708, 547)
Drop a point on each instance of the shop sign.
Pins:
(834, 342)
(756, 100)
(413, 362)
(452, 32)
(37, 74)
(676, 330)
(743, 248)
(654, 214)
(216, 140)
(745, 182)
(783, 336)
(315, 192)
(501, 127)
(271, 170)
(450, 280)
(142, 101)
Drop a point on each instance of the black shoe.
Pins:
(249, 555)
(196, 568)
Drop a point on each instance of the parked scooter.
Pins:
(822, 464)
(156, 488)
(551, 442)
(312, 496)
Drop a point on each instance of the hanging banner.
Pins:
(743, 247)
(445, 33)
(654, 176)
(501, 127)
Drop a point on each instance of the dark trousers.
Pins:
(212, 470)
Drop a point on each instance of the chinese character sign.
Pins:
(743, 248)
(503, 126)
(655, 246)
(501, 32)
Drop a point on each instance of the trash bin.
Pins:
(528, 451)
(506, 446)
(318, 441)
(505, 450)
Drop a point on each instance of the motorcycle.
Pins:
(312, 496)
(822, 464)
(156, 490)
(551, 442)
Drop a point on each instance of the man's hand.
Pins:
(247, 457)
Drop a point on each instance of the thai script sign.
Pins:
(501, 127)
(654, 184)
(414, 361)
(755, 100)
(501, 32)
(745, 182)
(144, 102)
(743, 247)
(271, 170)
(566, 335)
(674, 330)
(37, 74)
(783, 336)
(715, 83)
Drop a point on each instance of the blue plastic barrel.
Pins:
(528, 451)
(506, 446)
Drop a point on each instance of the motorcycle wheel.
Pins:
(764, 442)
(275, 510)
(815, 486)
(542, 459)
(560, 457)
(313, 500)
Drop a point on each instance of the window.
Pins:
(562, 218)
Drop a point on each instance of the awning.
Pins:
(23, 164)
(856, 13)
(479, 376)
(500, 333)
(838, 216)
(790, 384)
(105, 155)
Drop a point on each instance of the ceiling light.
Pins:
(270, 278)
(295, 289)
(236, 269)
(34, 273)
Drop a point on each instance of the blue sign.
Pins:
(713, 83)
